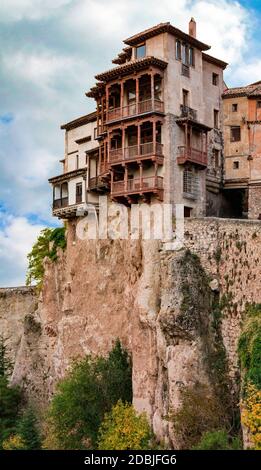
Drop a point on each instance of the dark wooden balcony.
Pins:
(98, 183)
(135, 109)
(192, 155)
(137, 152)
(146, 184)
(59, 203)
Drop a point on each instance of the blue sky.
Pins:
(50, 52)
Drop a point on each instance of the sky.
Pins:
(50, 52)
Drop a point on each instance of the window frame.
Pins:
(233, 139)
(216, 118)
(215, 79)
(137, 48)
(234, 107)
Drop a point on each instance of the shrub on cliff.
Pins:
(46, 245)
(199, 412)
(124, 429)
(249, 351)
(90, 390)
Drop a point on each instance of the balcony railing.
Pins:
(193, 155)
(188, 112)
(136, 152)
(185, 70)
(96, 183)
(58, 203)
(133, 109)
(137, 185)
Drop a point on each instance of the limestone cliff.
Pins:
(173, 311)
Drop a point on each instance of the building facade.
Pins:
(242, 135)
(159, 121)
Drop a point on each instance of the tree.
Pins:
(90, 390)
(6, 365)
(10, 397)
(124, 429)
(218, 440)
(10, 401)
(45, 246)
(27, 429)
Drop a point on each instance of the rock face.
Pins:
(173, 311)
(15, 304)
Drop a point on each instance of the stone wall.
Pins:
(254, 202)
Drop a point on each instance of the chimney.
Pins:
(193, 28)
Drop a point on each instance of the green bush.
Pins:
(92, 387)
(124, 429)
(27, 430)
(46, 246)
(218, 440)
(249, 346)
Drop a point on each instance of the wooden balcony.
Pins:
(97, 183)
(59, 203)
(136, 153)
(135, 109)
(146, 184)
(192, 155)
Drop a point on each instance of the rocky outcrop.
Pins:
(16, 303)
(174, 312)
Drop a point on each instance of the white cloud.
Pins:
(41, 69)
(16, 10)
(16, 240)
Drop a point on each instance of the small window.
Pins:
(185, 97)
(178, 50)
(234, 107)
(140, 51)
(95, 132)
(78, 193)
(236, 165)
(77, 162)
(258, 104)
(235, 134)
(216, 118)
(191, 56)
(215, 79)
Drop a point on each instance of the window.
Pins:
(76, 162)
(185, 97)
(216, 118)
(258, 104)
(216, 158)
(191, 56)
(235, 134)
(215, 79)
(185, 54)
(236, 165)
(190, 184)
(234, 107)
(95, 132)
(78, 193)
(178, 50)
(140, 51)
